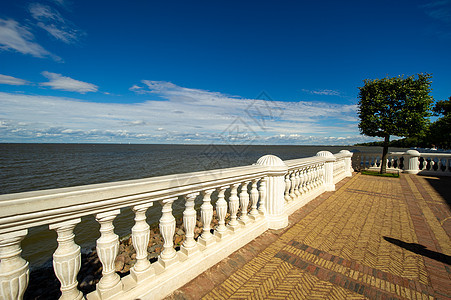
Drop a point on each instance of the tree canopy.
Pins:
(440, 131)
(394, 106)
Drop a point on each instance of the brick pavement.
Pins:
(377, 238)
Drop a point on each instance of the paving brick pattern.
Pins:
(376, 238)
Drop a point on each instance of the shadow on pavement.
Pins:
(421, 250)
(441, 185)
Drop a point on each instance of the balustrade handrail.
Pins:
(28, 209)
(423, 154)
(303, 162)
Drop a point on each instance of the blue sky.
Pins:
(262, 72)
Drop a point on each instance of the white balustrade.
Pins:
(414, 162)
(260, 196)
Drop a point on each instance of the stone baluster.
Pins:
(244, 203)
(312, 177)
(297, 179)
(320, 174)
(293, 184)
(107, 250)
(167, 229)
(262, 193)
(305, 175)
(303, 181)
(13, 268)
(315, 176)
(221, 211)
(189, 246)
(140, 239)
(309, 179)
(254, 200)
(67, 259)
(234, 206)
(206, 215)
(288, 185)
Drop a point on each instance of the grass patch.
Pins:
(376, 173)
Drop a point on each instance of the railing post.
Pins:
(275, 201)
(348, 162)
(67, 259)
(411, 162)
(328, 170)
(13, 268)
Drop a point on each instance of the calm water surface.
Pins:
(29, 167)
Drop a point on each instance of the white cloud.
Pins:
(52, 21)
(439, 10)
(5, 79)
(59, 82)
(19, 38)
(322, 92)
(45, 13)
(208, 117)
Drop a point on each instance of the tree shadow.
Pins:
(421, 250)
(441, 185)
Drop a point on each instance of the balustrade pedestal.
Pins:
(328, 170)
(275, 189)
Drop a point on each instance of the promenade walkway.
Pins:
(377, 238)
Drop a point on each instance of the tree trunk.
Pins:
(384, 155)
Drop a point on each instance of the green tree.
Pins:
(440, 131)
(394, 106)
